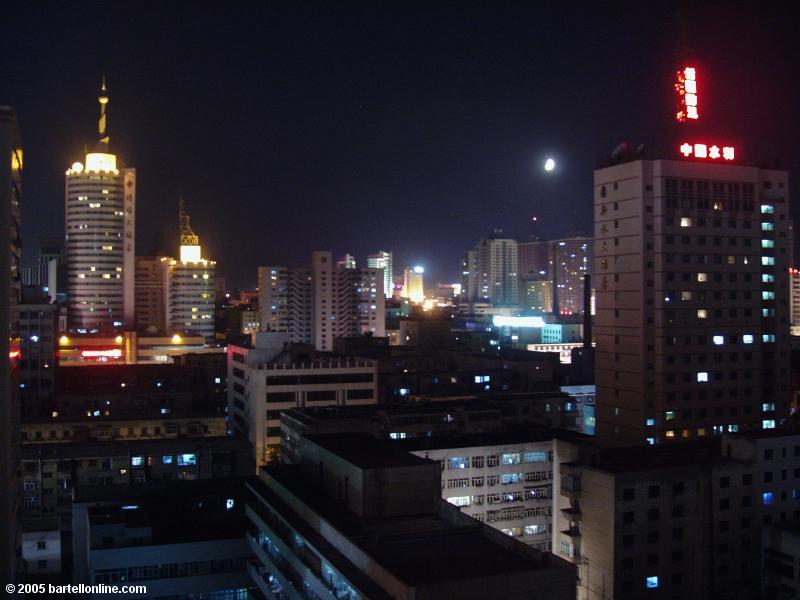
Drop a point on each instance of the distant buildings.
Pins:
(489, 271)
(413, 284)
(38, 326)
(100, 238)
(383, 260)
(572, 259)
(360, 518)
(149, 294)
(794, 300)
(692, 303)
(317, 305)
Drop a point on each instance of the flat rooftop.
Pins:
(66, 450)
(411, 547)
(658, 456)
(521, 435)
(366, 451)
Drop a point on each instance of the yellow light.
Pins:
(100, 161)
(176, 339)
(190, 254)
(77, 168)
(118, 339)
(16, 159)
(63, 340)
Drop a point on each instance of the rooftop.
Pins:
(366, 451)
(521, 435)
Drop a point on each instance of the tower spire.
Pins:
(101, 125)
(188, 237)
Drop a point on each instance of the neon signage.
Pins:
(712, 152)
(113, 353)
(686, 87)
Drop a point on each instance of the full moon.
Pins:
(549, 164)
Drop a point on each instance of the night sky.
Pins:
(404, 128)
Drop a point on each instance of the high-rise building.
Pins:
(317, 305)
(489, 271)
(10, 242)
(413, 284)
(692, 308)
(572, 258)
(348, 261)
(534, 259)
(383, 260)
(38, 326)
(150, 292)
(189, 286)
(100, 237)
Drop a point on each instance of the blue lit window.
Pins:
(719, 340)
(167, 460)
(137, 461)
(747, 339)
(767, 226)
(482, 378)
(767, 243)
(217, 379)
(185, 460)
(651, 441)
(768, 424)
(651, 422)
(767, 260)
(229, 503)
(767, 209)
(767, 278)
(768, 338)
(766, 295)
(767, 498)
(652, 582)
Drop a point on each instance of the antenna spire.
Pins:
(188, 237)
(101, 125)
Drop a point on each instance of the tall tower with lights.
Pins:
(383, 260)
(100, 237)
(189, 285)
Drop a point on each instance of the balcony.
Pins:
(572, 513)
(570, 486)
(573, 532)
(266, 582)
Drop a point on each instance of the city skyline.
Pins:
(341, 141)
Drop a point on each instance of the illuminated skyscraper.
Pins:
(100, 204)
(383, 260)
(572, 258)
(489, 271)
(10, 198)
(413, 286)
(189, 286)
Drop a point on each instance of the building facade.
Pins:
(100, 204)
(489, 271)
(572, 259)
(38, 326)
(149, 296)
(692, 300)
(383, 260)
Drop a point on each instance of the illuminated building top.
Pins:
(100, 161)
(190, 241)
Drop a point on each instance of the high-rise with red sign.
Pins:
(692, 304)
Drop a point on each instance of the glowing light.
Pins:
(549, 164)
(63, 340)
(118, 339)
(77, 167)
(687, 91)
(100, 161)
(699, 150)
(190, 254)
(113, 353)
(419, 269)
(13, 354)
(176, 339)
(502, 321)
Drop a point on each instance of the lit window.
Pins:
(767, 243)
(767, 226)
(747, 339)
(670, 434)
(229, 503)
(137, 461)
(185, 460)
(511, 459)
(702, 377)
(733, 428)
(651, 422)
(768, 295)
(670, 415)
(768, 338)
(719, 340)
(702, 277)
(686, 222)
(651, 441)
(768, 424)
(767, 278)
(767, 209)
(767, 260)
(167, 459)
(702, 313)
(768, 407)
(767, 312)
(686, 295)
(767, 498)
(652, 582)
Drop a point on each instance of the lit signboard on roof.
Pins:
(686, 87)
(112, 353)
(706, 151)
(501, 321)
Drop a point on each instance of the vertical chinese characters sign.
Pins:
(686, 88)
(129, 248)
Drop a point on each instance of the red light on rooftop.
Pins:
(707, 152)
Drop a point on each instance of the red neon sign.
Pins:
(114, 353)
(686, 87)
(713, 152)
